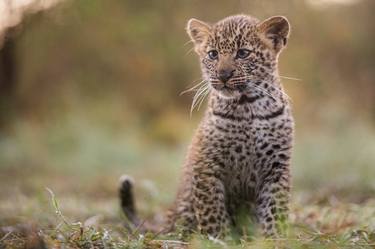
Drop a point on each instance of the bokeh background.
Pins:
(90, 90)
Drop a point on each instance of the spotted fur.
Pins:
(240, 154)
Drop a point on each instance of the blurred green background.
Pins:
(91, 89)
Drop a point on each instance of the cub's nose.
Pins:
(225, 75)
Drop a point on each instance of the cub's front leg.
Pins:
(209, 205)
(272, 199)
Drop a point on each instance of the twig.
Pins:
(5, 236)
(171, 241)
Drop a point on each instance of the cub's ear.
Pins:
(275, 32)
(198, 31)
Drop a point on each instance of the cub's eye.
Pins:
(213, 54)
(242, 53)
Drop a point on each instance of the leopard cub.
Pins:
(240, 154)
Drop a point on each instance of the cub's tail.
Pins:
(127, 201)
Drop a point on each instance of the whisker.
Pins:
(193, 87)
(194, 103)
(197, 103)
(283, 93)
(202, 99)
(239, 84)
(189, 41)
(236, 81)
(277, 90)
(198, 92)
(189, 51)
(238, 78)
(290, 78)
(200, 79)
(197, 97)
(264, 91)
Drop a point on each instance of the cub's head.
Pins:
(238, 52)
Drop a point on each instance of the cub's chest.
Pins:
(236, 142)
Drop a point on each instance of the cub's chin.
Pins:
(227, 92)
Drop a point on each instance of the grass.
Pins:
(58, 186)
(316, 224)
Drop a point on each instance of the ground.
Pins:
(56, 196)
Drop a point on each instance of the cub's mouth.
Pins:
(230, 87)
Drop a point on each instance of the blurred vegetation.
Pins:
(94, 92)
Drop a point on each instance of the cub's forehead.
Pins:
(233, 32)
